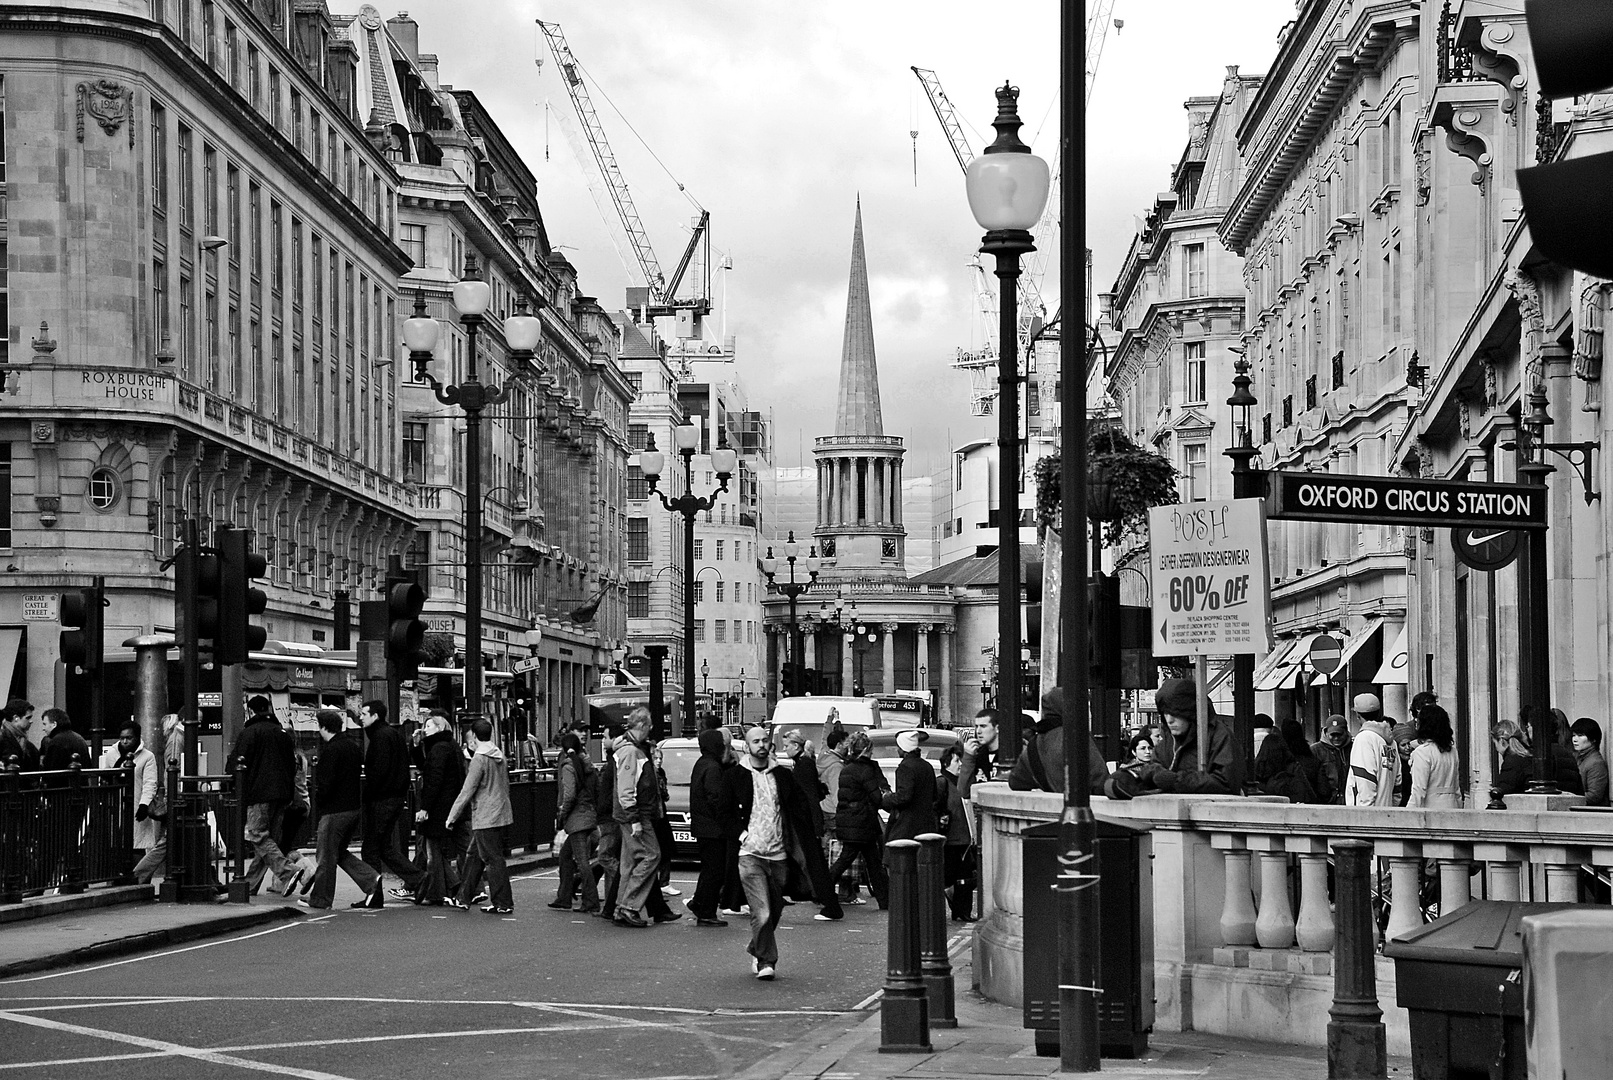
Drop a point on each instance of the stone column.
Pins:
(896, 491)
(943, 704)
(889, 630)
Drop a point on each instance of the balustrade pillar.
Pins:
(1503, 869)
(1403, 858)
(1455, 873)
(1313, 931)
(1561, 865)
(1274, 928)
(1237, 908)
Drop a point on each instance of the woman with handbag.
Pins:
(575, 821)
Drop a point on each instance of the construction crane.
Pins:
(981, 363)
(662, 290)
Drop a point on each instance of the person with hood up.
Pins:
(442, 773)
(1040, 766)
(268, 754)
(485, 795)
(862, 789)
(711, 812)
(1193, 770)
(1374, 757)
(576, 817)
(1285, 766)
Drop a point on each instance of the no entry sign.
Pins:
(1397, 500)
(1326, 652)
(1210, 595)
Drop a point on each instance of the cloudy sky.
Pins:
(777, 116)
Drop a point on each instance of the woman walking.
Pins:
(1436, 769)
(576, 817)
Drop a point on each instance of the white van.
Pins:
(808, 714)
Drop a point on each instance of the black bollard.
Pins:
(1356, 1048)
(933, 962)
(14, 845)
(904, 1012)
(240, 888)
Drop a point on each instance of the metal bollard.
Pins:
(1356, 1048)
(932, 905)
(240, 888)
(904, 1009)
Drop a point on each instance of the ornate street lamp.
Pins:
(1007, 187)
(522, 332)
(705, 678)
(685, 438)
(792, 589)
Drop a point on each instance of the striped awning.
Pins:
(1268, 675)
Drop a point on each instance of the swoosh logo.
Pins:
(1475, 539)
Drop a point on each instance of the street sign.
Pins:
(1486, 549)
(1210, 593)
(526, 664)
(206, 700)
(40, 607)
(1326, 652)
(1401, 500)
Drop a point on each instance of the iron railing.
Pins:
(64, 830)
(206, 844)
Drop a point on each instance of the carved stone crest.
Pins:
(1527, 292)
(108, 103)
(1492, 382)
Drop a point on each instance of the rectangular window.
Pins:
(1265, 428)
(719, 553)
(277, 250)
(720, 585)
(210, 31)
(1196, 467)
(412, 239)
(414, 453)
(296, 271)
(722, 631)
(159, 158)
(297, 132)
(638, 436)
(159, 303)
(187, 181)
(233, 329)
(314, 124)
(1310, 392)
(1394, 286)
(255, 331)
(1288, 410)
(275, 117)
(349, 171)
(253, 59)
(187, 325)
(1197, 284)
(255, 238)
(738, 624)
(210, 362)
(209, 189)
(635, 379)
(638, 539)
(1193, 351)
(1338, 371)
(699, 630)
(699, 549)
(637, 486)
(699, 589)
(1033, 398)
(638, 601)
(232, 53)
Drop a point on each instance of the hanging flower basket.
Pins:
(1123, 482)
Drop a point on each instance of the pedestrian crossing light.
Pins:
(238, 599)
(406, 633)
(82, 638)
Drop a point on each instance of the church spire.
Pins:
(858, 409)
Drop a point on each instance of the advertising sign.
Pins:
(1210, 591)
(1401, 500)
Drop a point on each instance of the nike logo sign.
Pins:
(1475, 539)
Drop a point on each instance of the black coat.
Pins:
(336, 777)
(915, 806)
(20, 747)
(712, 812)
(805, 770)
(862, 789)
(64, 745)
(386, 762)
(442, 772)
(270, 756)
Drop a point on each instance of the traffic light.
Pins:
(238, 599)
(1030, 630)
(82, 637)
(405, 633)
(196, 583)
(788, 686)
(1565, 201)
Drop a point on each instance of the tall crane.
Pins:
(981, 363)
(663, 299)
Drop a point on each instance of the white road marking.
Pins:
(88, 1001)
(174, 1049)
(868, 1002)
(170, 952)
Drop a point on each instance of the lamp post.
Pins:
(534, 638)
(686, 437)
(859, 636)
(522, 332)
(791, 589)
(985, 693)
(1533, 629)
(705, 678)
(1245, 485)
(1007, 187)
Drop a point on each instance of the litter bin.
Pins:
(1126, 932)
(1461, 979)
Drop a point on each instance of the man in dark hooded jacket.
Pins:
(711, 813)
(1190, 772)
(1040, 766)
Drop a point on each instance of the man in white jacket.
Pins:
(127, 753)
(1374, 758)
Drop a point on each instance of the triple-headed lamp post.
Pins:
(686, 438)
(791, 589)
(522, 332)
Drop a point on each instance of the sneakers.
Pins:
(743, 909)
(668, 890)
(480, 898)
(854, 900)
(398, 892)
(765, 973)
(303, 901)
(821, 917)
(374, 901)
(497, 909)
(560, 905)
(755, 965)
(455, 902)
(294, 883)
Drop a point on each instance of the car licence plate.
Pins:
(680, 836)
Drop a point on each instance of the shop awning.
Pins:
(1351, 647)
(1268, 674)
(1393, 670)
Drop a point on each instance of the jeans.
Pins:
(608, 858)
(877, 883)
(575, 871)
(763, 880)
(487, 855)
(381, 849)
(442, 858)
(713, 866)
(334, 833)
(641, 858)
(262, 821)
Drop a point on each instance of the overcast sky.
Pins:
(775, 116)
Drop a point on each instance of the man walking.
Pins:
(442, 773)
(638, 804)
(1374, 759)
(485, 795)
(336, 798)
(267, 753)
(386, 787)
(772, 816)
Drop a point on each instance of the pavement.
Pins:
(567, 995)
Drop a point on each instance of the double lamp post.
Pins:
(791, 589)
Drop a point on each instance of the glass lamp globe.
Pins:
(523, 331)
(791, 548)
(420, 332)
(1007, 191)
(769, 564)
(650, 460)
(472, 295)
(686, 437)
(724, 461)
(813, 563)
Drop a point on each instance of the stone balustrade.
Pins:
(1242, 920)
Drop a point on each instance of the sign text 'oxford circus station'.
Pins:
(1404, 500)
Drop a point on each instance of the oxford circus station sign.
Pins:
(1395, 500)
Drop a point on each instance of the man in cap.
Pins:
(1374, 759)
(913, 805)
(1192, 771)
(1333, 751)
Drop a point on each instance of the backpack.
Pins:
(605, 789)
